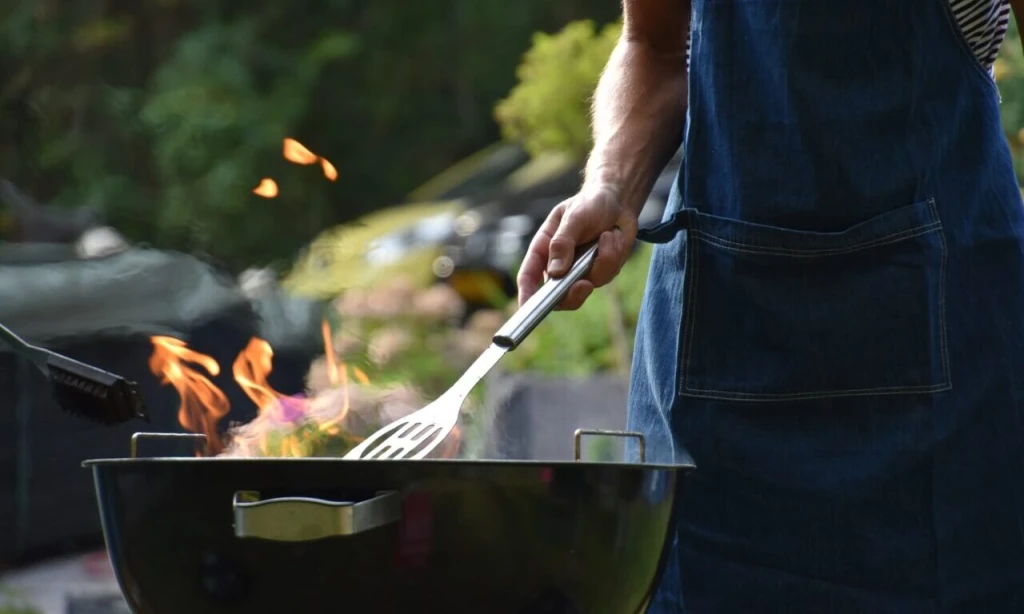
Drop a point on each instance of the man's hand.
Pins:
(594, 213)
(639, 112)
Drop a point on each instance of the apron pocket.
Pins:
(773, 314)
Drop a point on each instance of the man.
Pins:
(834, 328)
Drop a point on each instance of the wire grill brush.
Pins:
(79, 389)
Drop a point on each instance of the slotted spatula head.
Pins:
(416, 435)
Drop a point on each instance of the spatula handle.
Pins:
(543, 302)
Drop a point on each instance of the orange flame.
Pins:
(296, 152)
(360, 376)
(329, 171)
(203, 404)
(267, 188)
(251, 369)
(329, 355)
(336, 373)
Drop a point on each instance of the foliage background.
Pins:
(549, 108)
(167, 113)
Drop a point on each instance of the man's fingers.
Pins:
(613, 248)
(574, 230)
(609, 259)
(531, 273)
(577, 295)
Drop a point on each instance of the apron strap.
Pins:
(667, 230)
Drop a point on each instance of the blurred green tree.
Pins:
(549, 109)
(167, 114)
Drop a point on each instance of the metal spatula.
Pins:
(417, 434)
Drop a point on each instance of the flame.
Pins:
(203, 404)
(346, 404)
(360, 376)
(329, 171)
(337, 373)
(296, 152)
(329, 354)
(286, 426)
(267, 188)
(251, 369)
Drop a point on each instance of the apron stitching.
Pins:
(686, 389)
(752, 248)
(691, 316)
(942, 296)
(826, 394)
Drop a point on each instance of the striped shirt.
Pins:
(983, 24)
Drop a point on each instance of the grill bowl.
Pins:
(453, 536)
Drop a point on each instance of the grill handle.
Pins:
(304, 519)
(137, 437)
(578, 440)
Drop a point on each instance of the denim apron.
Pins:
(833, 327)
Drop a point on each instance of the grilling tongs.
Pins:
(416, 435)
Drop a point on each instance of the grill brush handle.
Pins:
(304, 519)
(543, 302)
(25, 350)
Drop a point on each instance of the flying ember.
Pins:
(296, 152)
(329, 171)
(267, 188)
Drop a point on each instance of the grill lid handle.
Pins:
(303, 519)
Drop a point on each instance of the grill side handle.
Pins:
(578, 440)
(303, 519)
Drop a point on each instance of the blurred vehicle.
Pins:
(490, 237)
(489, 241)
(402, 240)
(407, 239)
(473, 175)
(24, 220)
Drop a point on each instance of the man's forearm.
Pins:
(638, 115)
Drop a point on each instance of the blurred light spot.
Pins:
(443, 267)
